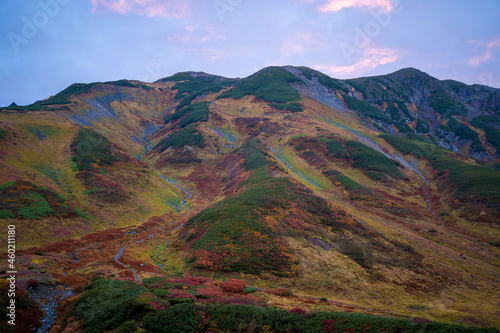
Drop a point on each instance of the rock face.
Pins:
(416, 103)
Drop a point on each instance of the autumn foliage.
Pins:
(233, 285)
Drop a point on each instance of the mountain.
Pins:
(286, 189)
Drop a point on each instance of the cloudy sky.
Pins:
(46, 45)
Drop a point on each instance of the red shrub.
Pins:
(180, 294)
(186, 280)
(32, 283)
(297, 310)
(157, 306)
(208, 292)
(329, 325)
(236, 300)
(212, 283)
(233, 285)
(280, 291)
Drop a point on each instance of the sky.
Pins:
(46, 45)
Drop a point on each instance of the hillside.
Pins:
(343, 202)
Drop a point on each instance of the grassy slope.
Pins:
(39, 150)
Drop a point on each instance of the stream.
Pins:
(183, 202)
(150, 129)
(48, 297)
(279, 156)
(118, 255)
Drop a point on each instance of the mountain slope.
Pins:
(365, 191)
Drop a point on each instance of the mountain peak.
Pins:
(183, 76)
(409, 72)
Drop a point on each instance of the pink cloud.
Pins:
(196, 34)
(298, 44)
(486, 54)
(149, 8)
(371, 59)
(337, 5)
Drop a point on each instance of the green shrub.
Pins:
(189, 86)
(127, 327)
(250, 290)
(106, 304)
(271, 84)
(492, 134)
(179, 318)
(188, 135)
(331, 173)
(323, 79)
(335, 148)
(126, 83)
(7, 185)
(376, 175)
(357, 252)
(153, 280)
(443, 104)
(3, 134)
(25, 200)
(463, 132)
(7, 214)
(468, 180)
(192, 114)
(160, 292)
(91, 148)
(247, 318)
(63, 96)
(254, 158)
(365, 109)
(420, 138)
(367, 158)
(421, 127)
(348, 183)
